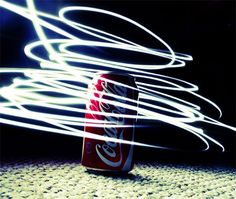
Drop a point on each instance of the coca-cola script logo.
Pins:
(110, 151)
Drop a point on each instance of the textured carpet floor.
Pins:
(60, 179)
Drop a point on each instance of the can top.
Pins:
(124, 78)
(115, 73)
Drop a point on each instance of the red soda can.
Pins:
(103, 155)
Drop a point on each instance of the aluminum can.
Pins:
(110, 93)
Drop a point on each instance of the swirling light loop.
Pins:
(62, 73)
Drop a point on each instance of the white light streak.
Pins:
(61, 72)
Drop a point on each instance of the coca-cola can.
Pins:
(108, 94)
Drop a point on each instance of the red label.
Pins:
(107, 155)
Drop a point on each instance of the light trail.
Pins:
(34, 98)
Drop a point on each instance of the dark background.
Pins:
(203, 29)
